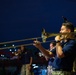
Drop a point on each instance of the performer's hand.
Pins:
(37, 44)
(57, 38)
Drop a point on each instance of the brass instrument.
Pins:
(44, 36)
(75, 29)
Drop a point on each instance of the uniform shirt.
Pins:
(25, 57)
(65, 63)
(50, 61)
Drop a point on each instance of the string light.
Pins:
(10, 49)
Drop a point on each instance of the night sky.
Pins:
(21, 19)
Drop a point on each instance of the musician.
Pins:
(50, 60)
(64, 53)
(26, 59)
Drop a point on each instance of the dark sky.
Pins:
(21, 19)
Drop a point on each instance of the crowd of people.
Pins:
(61, 56)
(65, 52)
